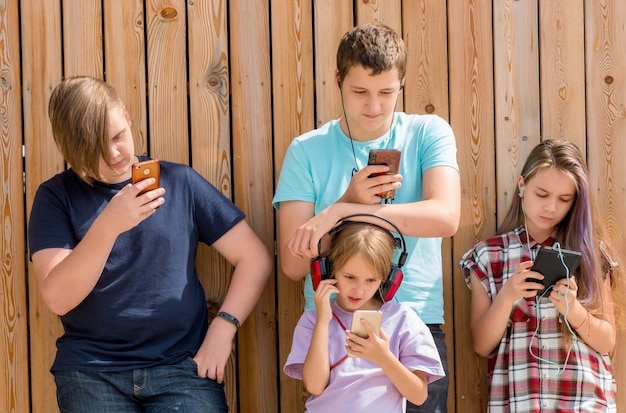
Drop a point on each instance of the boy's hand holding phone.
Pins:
(144, 170)
(389, 157)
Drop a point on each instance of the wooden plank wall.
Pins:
(225, 85)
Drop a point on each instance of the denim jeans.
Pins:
(170, 388)
(437, 401)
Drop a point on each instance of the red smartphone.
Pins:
(389, 157)
(147, 169)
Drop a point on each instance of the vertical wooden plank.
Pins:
(41, 69)
(293, 87)
(82, 38)
(562, 70)
(210, 144)
(388, 12)
(209, 108)
(605, 60)
(424, 32)
(331, 20)
(471, 117)
(14, 374)
(253, 171)
(426, 91)
(516, 66)
(167, 80)
(125, 49)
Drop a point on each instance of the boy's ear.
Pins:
(127, 116)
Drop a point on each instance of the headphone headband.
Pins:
(346, 221)
(321, 265)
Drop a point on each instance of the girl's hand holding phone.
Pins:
(517, 286)
(373, 348)
(564, 295)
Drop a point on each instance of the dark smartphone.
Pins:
(389, 157)
(548, 263)
(147, 169)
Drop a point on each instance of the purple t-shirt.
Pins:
(357, 384)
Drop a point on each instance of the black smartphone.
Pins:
(147, 169)
(548, 262)
(389, 157)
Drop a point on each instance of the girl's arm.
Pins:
(597, 331)
(413, 385)
(316, 371)
(488, 319)
(316, 367)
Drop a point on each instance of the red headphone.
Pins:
(321, 265)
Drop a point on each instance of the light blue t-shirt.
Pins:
(318, 167)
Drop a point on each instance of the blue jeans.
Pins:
(437, 401)
(170, 388)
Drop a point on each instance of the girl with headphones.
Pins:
(548, 348)
(342, 370)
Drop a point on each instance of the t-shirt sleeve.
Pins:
(295, 182)
(300, 345)
(419, 352)
(214, 213)
(475, 261)
(439, 144)
(49, 224)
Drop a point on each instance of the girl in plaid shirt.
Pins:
(548, 348)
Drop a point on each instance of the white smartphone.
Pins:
(373, 317)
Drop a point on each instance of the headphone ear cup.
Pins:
(320, 270)
(389, 288)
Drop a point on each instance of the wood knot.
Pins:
(608, 80)
(169, 13)
(430, 109)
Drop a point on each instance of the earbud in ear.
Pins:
(521, 192)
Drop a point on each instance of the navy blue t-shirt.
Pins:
(148, 306)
